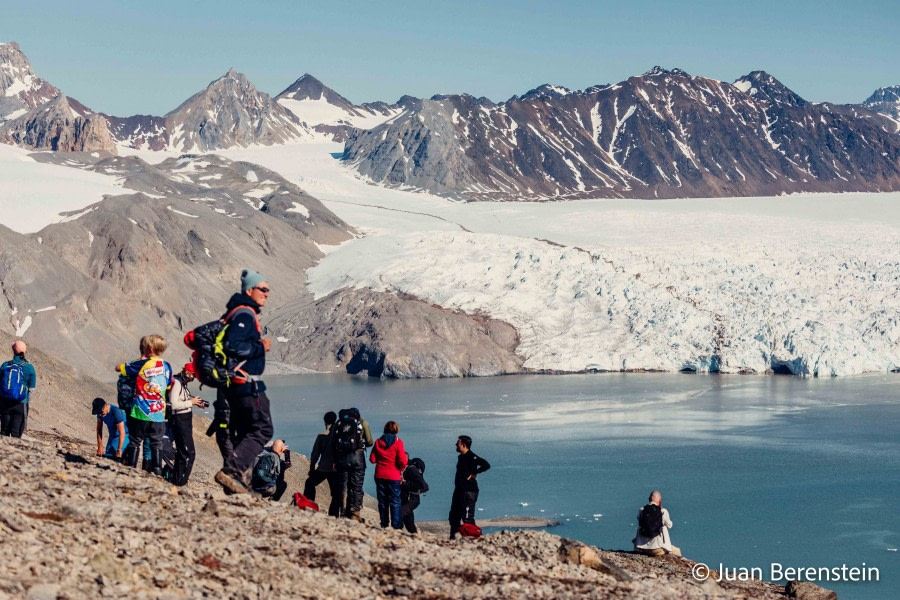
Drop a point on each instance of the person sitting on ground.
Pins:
(321, 468)
(268, 471)
(181, 423)
(148, 414)
(652, 536)
(465, 486)
(114, 419)
(412, 487)
(390, 460)
(350, 437)
(17, 381)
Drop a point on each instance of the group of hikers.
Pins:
(153, 424)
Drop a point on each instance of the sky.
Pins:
(124, 57)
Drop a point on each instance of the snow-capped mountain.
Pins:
(885, 101)
(20, 89)
(231, 112)
(661, 135)
(329, 113)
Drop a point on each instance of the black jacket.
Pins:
(413, 481)
(469, 464)
(242, 342)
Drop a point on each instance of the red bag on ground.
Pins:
(302, 502)
(470, 530)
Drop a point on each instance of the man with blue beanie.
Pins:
(250, 420)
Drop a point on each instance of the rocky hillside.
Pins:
(664, 134)
(54, 126)
(77, 526)
(329, 113)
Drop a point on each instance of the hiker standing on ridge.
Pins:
(114, 419)
(390, 460)
(321, 468)
(465, 489)
(147, 419)
(350, 436)
(181, 422)
(17, 381)
(652, 536)
(250, 420)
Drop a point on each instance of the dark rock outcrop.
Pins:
(885, 101)
(54, 126)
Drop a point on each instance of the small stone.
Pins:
(805, 590)
(43, 591)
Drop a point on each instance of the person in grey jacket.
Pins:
(661, 543)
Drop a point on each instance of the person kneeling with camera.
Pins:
(268, 472)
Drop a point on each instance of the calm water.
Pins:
(753, 470)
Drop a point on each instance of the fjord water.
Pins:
(753, 469)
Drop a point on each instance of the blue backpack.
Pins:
(12, 382)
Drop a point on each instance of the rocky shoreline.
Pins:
(76, 526)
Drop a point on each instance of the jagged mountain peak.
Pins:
(658, 71)
(886, 101)
(20, 88)
(763, 86)
(546, 91)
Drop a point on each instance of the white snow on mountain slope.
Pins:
(808, 284)
(321, 112)
(33, 194)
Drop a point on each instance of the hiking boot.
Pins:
(231, 484)
(356, 517)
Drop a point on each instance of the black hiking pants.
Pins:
(12, 418)
(221, 420)
(138, 430)
(251, 429)
(354, 467)
(462, 509)
(314, 479)
(182, 426)
(406, 513)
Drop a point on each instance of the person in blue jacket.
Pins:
(114, 419)
(16, 373)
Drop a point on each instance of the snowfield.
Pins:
(33, 194)
(803, 284)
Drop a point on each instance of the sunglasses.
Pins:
(264, 290)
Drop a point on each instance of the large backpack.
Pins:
(214, 368)
(126, 388)
(266, 470)
(347, 433)
(12, 382)
(650, 523)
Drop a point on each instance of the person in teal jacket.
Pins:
(14, 411)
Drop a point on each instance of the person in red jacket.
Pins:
(389, 457)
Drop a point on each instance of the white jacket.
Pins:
(661, 541)
(179, 397)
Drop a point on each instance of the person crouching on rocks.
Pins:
(654, 523)
(250, 419)
(268, 472)
(114, 419)
(413, 486)
(389, 457)
(153, 378)
(181, 422)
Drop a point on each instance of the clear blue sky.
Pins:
(127, 57)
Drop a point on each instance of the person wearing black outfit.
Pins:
(321, 468)
(465, 490)
(413, 485)
(353, 464)
(250, 420)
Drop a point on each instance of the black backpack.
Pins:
(214, 367)
(266, 470)
(347, 433)
(650, 523)
(125, 392)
